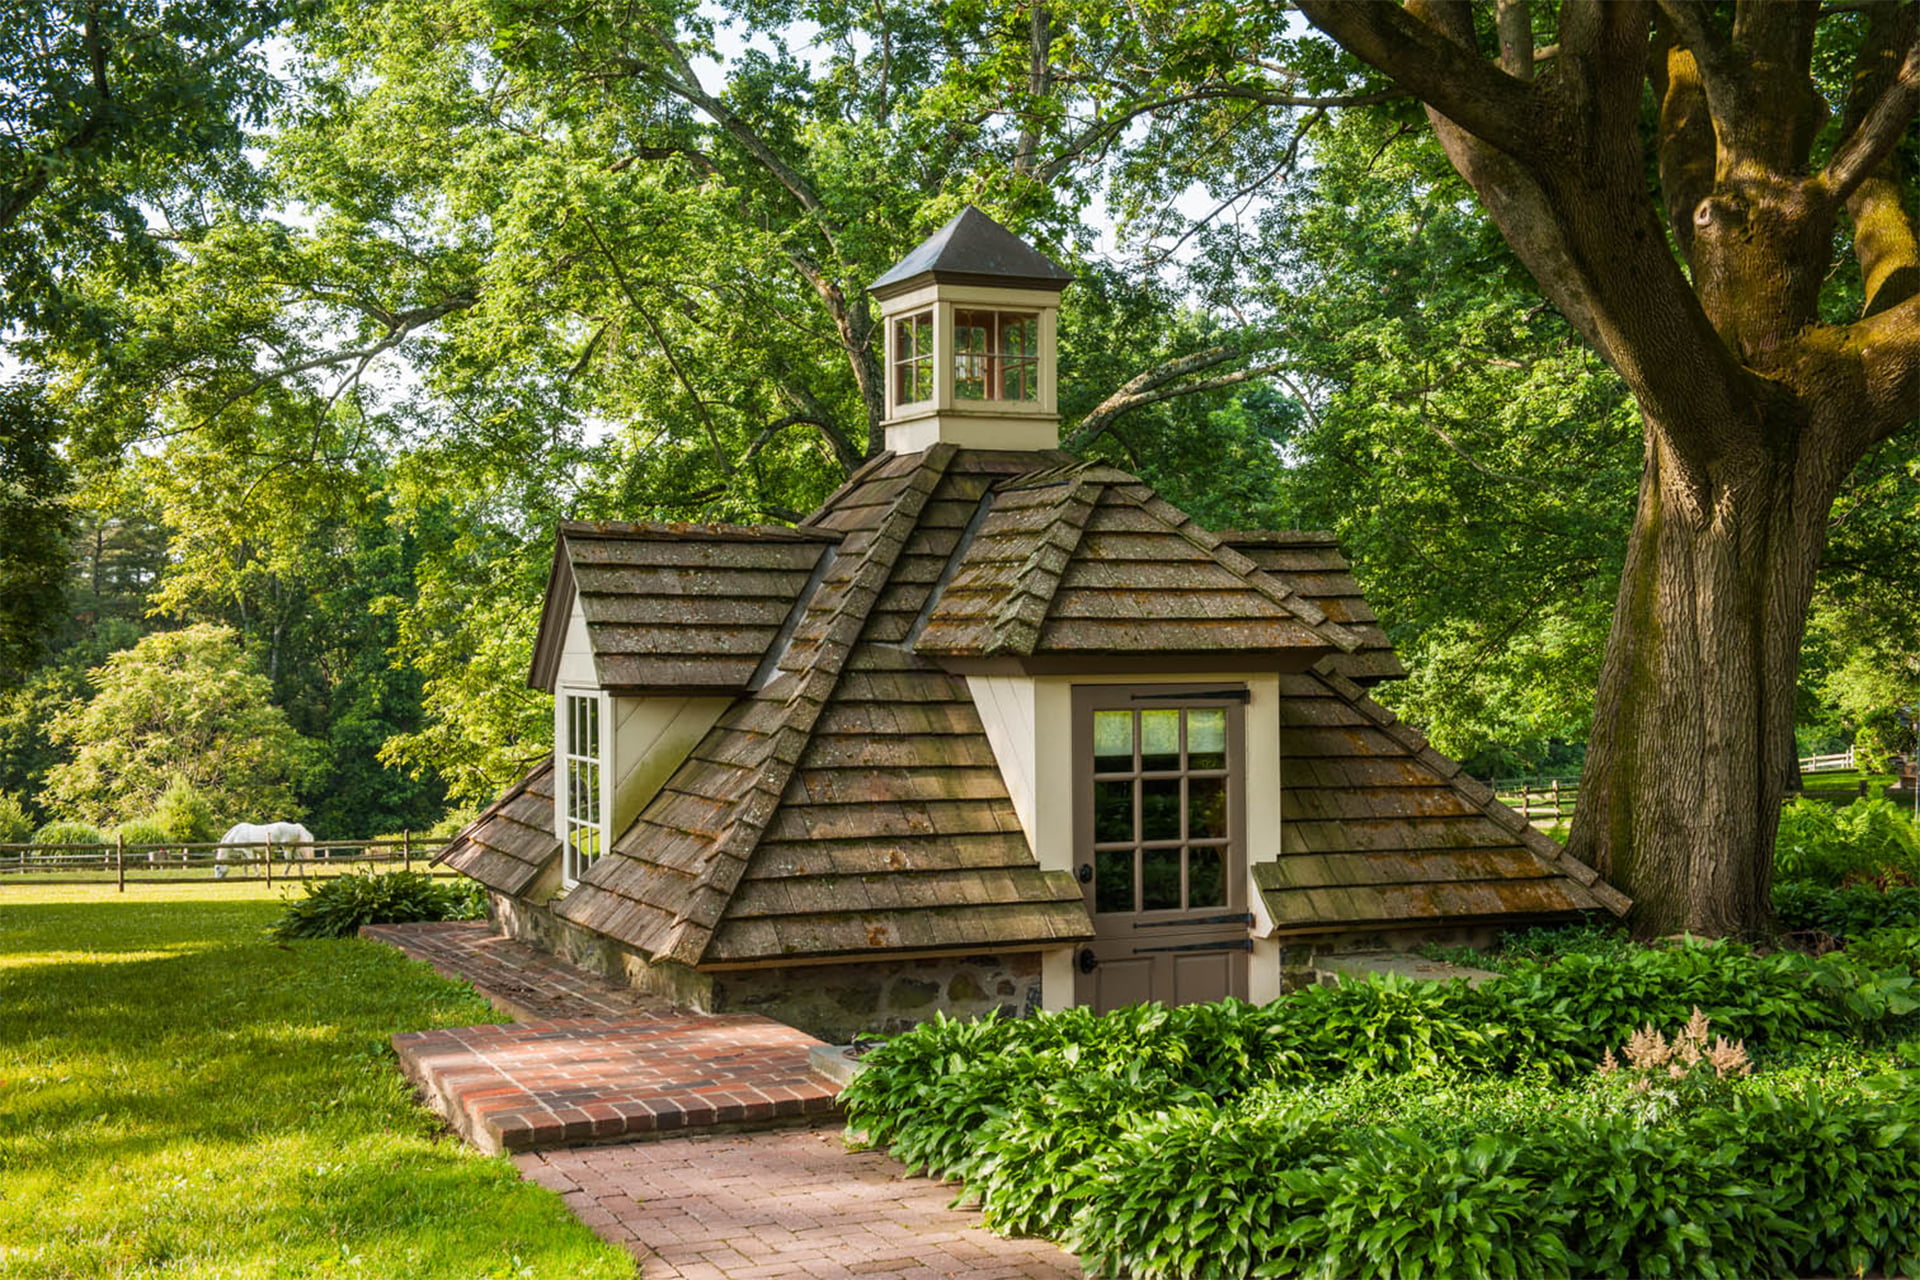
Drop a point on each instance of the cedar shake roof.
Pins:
(973, 249)
(676, 607)
(1310, 562)
(851, 805)
(512, 841)
(1381, 830)
(848, 804)
(1085, 559)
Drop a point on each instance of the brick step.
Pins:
(574, 1081)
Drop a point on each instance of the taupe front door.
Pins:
(1159, 850)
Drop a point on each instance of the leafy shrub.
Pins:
(452, 823)
(1888, 949)
(336, 908)
(1844, 913)
(1389, 1127)
(143, 831)
(185, 814)
(15, 823)
(68, 833)
(1865, 840)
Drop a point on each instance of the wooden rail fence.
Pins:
(1839, 762)
(125, 864)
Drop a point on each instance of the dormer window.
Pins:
(912, 357)
(996, 355)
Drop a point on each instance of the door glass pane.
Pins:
(1113, 880)
(1160, 880)
(1112, 811)
(1206, 808)
(1206, 878)
(1160, 739)
(1160, 809)
(970, 347)
(1207, 738)
(1113, 741)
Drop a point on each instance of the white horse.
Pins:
(292, 839)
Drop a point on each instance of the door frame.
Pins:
(1226, 928)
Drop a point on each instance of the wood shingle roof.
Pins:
(676, 607)
(848, 802)
(1085, 559)
(1381, 830)
(1310, 562)
(508, 846)
(849, 806)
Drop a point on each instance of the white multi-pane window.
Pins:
(996, 355)
(912, 357)
(582, 818)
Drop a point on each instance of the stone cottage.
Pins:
(995, 728)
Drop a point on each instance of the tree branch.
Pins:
(1884, 242)
(1873, 139)
(1152, 386)
(1449, 77)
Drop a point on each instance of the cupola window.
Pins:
(996, 355)
(912, 356)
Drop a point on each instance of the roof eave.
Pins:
(556, 610)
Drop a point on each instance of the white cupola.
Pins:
(971, 320)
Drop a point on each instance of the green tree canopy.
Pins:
(183, 704)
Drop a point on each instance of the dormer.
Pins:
(971, 319)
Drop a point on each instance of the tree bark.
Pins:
(1754, 410)
(1691, 751)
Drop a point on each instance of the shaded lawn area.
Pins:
(180, 1096)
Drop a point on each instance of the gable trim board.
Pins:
(879, 783)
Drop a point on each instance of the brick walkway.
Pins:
(549, 1084)
(590, 1062)
(526, 984)
(793, 1203)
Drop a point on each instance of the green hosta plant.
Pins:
(337, 908)
(1844, 913)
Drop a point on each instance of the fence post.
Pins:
(1526, 802)
(406, 849)
(267, 849)
(120, 861)
(1556, 799)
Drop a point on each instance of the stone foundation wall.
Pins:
(536, 925)
(833, 1001)
(839, 1001)
(1300, 958)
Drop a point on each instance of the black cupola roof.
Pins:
(973, 249)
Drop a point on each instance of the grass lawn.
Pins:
(180, 1096)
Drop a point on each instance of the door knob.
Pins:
(1088, 961)
(1085, 874)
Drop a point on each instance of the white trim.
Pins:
(571, 868)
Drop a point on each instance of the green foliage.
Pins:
(16, 824)
(1828, 845)
(1390, 1128)
(35, 522)
(181, 703)
(69, 833)
(1896, 949)
(337, 907)
(143, 831)
(184, 814)
(1844, 913)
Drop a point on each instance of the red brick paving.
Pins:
(792, 1203)
(548, 1084)
(594, 1063)
(526, 984)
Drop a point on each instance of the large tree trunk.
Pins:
(1692, 749)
